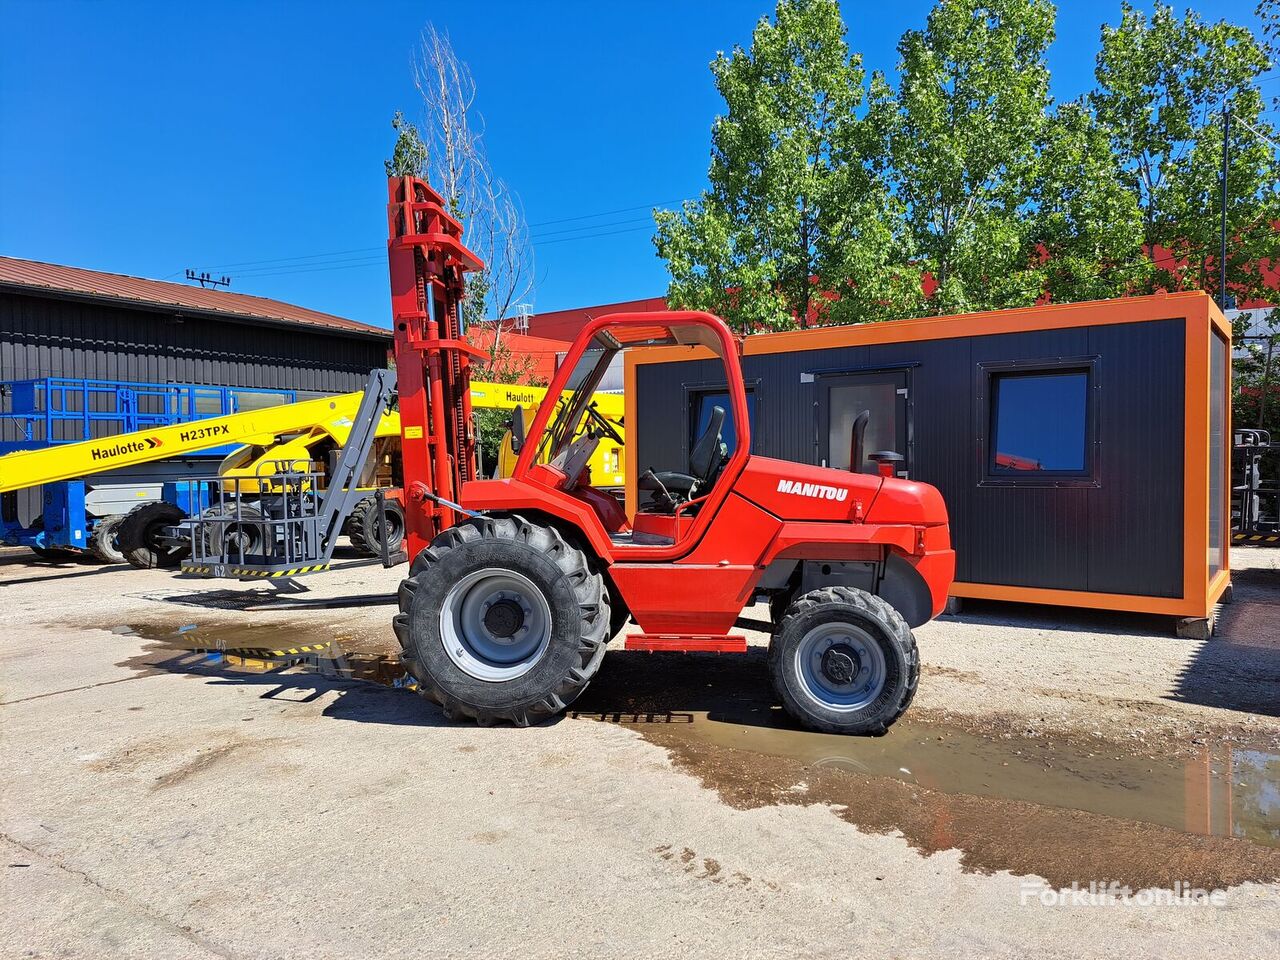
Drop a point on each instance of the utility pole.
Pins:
(206, 280)
(1222, 253)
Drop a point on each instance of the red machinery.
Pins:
(518, 584)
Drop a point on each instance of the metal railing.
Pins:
(50, 410)
(271, 520)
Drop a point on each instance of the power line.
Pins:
(324, 268)
(306, 256)
(351, 263)
(593, 236)
(590, 226)
(606, 213)
(298, 259)
(263, 271)
(1256, 132)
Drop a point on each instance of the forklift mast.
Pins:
(427, 261)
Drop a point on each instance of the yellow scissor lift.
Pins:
(277, 442)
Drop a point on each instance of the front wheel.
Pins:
(844, 661)
(501, 619)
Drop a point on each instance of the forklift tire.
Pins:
(501, 619)
(844, 661)
(104, 541)
(362, 527)
(137, 536)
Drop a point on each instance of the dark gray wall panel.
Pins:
(1136, 518)
(45, 336)
(1123, 535)
(50, 337)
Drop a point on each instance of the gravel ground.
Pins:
(1119, 676)
(155, 807)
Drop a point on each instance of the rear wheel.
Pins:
(500, 619)
(139, 536)
(844, 661)
(51, 554)
(104, 541)
(366, 533)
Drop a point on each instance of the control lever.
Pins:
(649, 481)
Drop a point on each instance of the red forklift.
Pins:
(518, 584)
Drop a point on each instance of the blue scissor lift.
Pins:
(53, 410)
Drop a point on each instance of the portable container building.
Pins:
(1082, 449)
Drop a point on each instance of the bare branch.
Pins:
(458, 167)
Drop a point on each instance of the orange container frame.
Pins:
(1202, 320)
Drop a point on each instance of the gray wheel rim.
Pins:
(840, 666)
(467, 625)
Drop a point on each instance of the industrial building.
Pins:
(82, 351)
(67, 322)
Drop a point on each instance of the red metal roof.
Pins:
(34, 275)
(538, 354)
(565, 324)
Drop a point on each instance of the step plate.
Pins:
(688, 642)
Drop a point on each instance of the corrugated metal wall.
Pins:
(49, 337)
(1122, 536)
(42, 337)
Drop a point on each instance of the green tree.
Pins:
(409, 155)
(1085, 229)
(798, 223)
(965, 122)
(1161, 84)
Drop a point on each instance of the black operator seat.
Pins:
(704, 460)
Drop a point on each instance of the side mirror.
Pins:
(517, 429)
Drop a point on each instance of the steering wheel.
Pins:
(603, 423)
(576, 457)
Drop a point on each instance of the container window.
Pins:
(1039, 424)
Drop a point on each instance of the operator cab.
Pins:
(668, 489)
(670, 495)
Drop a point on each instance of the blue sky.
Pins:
(247, 138)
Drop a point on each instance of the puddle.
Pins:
(1222, 792)
(344, 654)
(1068, 809)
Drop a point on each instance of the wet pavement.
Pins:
(1068, 809)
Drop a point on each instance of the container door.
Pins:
(842, 397)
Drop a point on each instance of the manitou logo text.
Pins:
(818, 491)
(127, 446)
